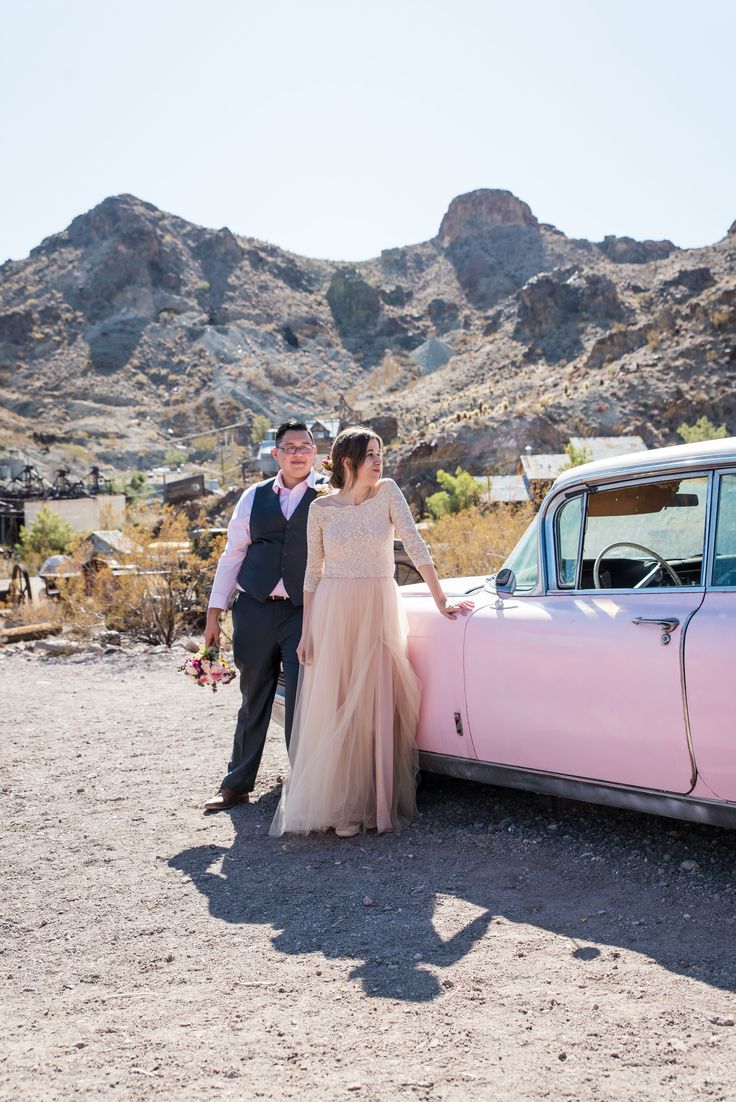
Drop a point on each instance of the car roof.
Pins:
(680, 455)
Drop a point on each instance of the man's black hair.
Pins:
(292, 426)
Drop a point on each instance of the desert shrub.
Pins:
(703, 429)
(471, 542)
(204, 447)
(163, 593)
(459, 491)
(48, 535)
(155, 602)
(577, 456)
(174, 457)
(255, 379)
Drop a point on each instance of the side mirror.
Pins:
(505, 582)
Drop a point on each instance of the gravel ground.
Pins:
(503, 947)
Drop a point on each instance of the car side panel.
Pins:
(568, 684)
(436, 654)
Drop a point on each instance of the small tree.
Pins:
(48, 535)
(459, 491)
(703, 429)
(261, 425)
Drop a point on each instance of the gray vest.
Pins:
(278, 546)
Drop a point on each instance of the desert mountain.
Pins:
(133, 327)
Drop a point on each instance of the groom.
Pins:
(264, 559)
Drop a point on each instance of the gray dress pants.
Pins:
(265, 637)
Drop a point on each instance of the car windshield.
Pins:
(523, 559)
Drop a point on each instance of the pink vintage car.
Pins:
(596, 662)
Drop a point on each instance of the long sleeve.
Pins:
(315, 548)
(403, 522)
(238, 542)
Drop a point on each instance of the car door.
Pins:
(584, 678)
(710, 647)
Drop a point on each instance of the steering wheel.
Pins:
(639, 547)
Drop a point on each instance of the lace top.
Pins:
(357, 541)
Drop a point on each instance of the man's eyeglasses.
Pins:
(293, 449)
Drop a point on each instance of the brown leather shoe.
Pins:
(225, 799)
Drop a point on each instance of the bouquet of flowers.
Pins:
(208, 667)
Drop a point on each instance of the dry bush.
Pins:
(163, 593)
(471, 542)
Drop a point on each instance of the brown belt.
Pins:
(277, 598)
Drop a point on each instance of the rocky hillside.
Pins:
(133, 327)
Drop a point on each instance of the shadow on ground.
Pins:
(604, 879)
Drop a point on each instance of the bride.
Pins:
(353, 759)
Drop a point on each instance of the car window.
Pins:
(567, 540)
(724, 566)
(645, 535)
(523, 559)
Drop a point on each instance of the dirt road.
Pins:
(504, 947)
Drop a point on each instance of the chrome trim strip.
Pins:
(683, 690)
(646, 800)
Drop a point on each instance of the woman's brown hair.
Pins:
(350, 445)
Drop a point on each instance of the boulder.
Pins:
(626, 250)
(443, 315)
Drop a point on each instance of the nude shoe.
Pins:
(348, 830)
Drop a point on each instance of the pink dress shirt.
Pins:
(238, 538)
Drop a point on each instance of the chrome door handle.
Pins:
(667, 625)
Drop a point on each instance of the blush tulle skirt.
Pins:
(353, 757)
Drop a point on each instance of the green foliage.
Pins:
(134, 489)
(174, 457)
(459, 491)
(48, 535)
(577, 456)
(439, 504)
(261, 425)
(703, 429)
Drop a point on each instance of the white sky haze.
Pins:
(338, 128)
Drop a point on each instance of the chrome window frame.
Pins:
(556, 501)
(571, 587)
(715, 510)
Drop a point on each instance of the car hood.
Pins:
(451, 587)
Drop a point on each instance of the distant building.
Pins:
(505, 489)
(538, 472)
(184, 489)
(84, 514)
(109, 542)
(607, 447)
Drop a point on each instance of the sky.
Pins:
(337, 128)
